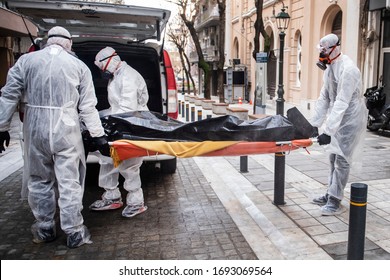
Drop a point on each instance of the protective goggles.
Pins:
(327, 50)
(58, 35)
(109, 60)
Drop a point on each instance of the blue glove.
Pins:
(4, 138)
(323, 139)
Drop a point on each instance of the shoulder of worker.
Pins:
(349, 65)
(130, 70)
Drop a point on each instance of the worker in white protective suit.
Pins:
(58, 90)
(341, 110)
(127, 91)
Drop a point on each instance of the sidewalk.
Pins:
(297, 230)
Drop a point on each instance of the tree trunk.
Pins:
(221, 49)
(202, 63)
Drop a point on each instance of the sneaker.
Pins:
(322, 200)
(106, 204)
(43, 235)
(76, 239)
(332, 207)
(131, 211)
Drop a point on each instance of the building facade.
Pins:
(206, 25)
(363, 27)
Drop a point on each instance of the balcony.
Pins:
(210, 54)
(209, 17)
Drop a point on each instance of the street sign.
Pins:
(261, 83)
(261, 57)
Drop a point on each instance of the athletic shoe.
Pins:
(106, 204)
(322, 200)
(332, 207)
(131, 210)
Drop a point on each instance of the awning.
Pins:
(12, 25)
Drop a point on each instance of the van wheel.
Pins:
(168, 166)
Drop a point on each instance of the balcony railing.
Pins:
(210, 53)
(207, 18)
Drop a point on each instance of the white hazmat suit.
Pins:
(58, 89)
(127, 91)
(341, 110)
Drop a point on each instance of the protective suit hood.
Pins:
(107, 60)
(329, 45)
(60, 36)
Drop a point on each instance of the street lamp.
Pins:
(282, 21)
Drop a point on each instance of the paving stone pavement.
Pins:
(185, 220)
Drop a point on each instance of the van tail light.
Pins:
(172, 89)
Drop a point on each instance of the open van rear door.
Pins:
(87, 19)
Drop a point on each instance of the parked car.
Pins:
(135, 32)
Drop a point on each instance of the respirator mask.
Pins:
(106, 75)
(324, 57)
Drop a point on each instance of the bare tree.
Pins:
(189, 11)
(259, 29)
(178, 35)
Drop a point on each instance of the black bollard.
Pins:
(279, 179)
(187, 112)
(243, 164)
(179, 107)
(182, 109)
(192, 114)
(199, 115)
(357, 221)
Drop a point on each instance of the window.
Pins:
(299, 60)
(236, 49)
(337, 24)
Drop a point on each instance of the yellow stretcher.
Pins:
(125, 149)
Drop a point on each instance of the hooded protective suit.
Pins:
(341, 108)
(58, 89)
(127, 91)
